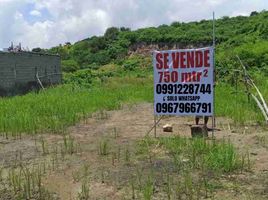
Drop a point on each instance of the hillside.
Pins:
(245, 36)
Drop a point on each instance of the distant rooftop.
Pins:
(28, 52)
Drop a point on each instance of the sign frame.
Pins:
(184, 82)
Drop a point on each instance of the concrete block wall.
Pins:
(19, 69)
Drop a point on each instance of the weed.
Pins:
(133, 188)
(103, 148)
(144, 147)
(118, 153)
(116, 135)
(139, 177)
(188, 185)
(168, 188)
(102, 115)
(263, 140)
(84, 194)
(86, 172)
(178, 191)
(203, 154)
(76, 176)
(127, 156)
(148, 188)
(69, 145)
(206, 186)
(242, 112)
(1, 174)
(222, 156)
(26, 183)
(249, 164)
(113, 158)
(102, 176)
(44, 146)
(177, 161)
(82, 174)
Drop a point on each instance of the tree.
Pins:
(124, 29)
(37, 50)
(111, 33)
(254, 13)
(96, 44)
(176, 24)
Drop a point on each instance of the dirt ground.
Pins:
(122, 128)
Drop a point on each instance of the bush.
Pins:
(81, 78)
(69, 65)
(131, 64)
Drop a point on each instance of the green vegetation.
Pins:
(235, 104)
(185, 168)
(200, 153)
(245, 36)
(104, 148)
(87, 91)
(55, 109)
(26, 183)
(69, 65)
(128, 79)
(99, 75)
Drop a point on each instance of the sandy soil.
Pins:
(128, 125)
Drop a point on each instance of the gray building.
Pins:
(20, 71)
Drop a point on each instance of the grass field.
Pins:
(169, 167)
(55, 109)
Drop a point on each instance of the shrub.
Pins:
(69, 65)
(81, 78)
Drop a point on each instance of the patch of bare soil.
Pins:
(105, 160)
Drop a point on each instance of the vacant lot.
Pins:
(107, 156)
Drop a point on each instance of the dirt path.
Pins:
(127, 125)
(133, 122)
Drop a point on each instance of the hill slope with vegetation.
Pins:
(245, 36)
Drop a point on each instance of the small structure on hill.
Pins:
(23, 71)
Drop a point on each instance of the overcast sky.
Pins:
(46, 23)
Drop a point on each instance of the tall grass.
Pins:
(219, 156)
(26, 183)
(235, 105)
(55, 109)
